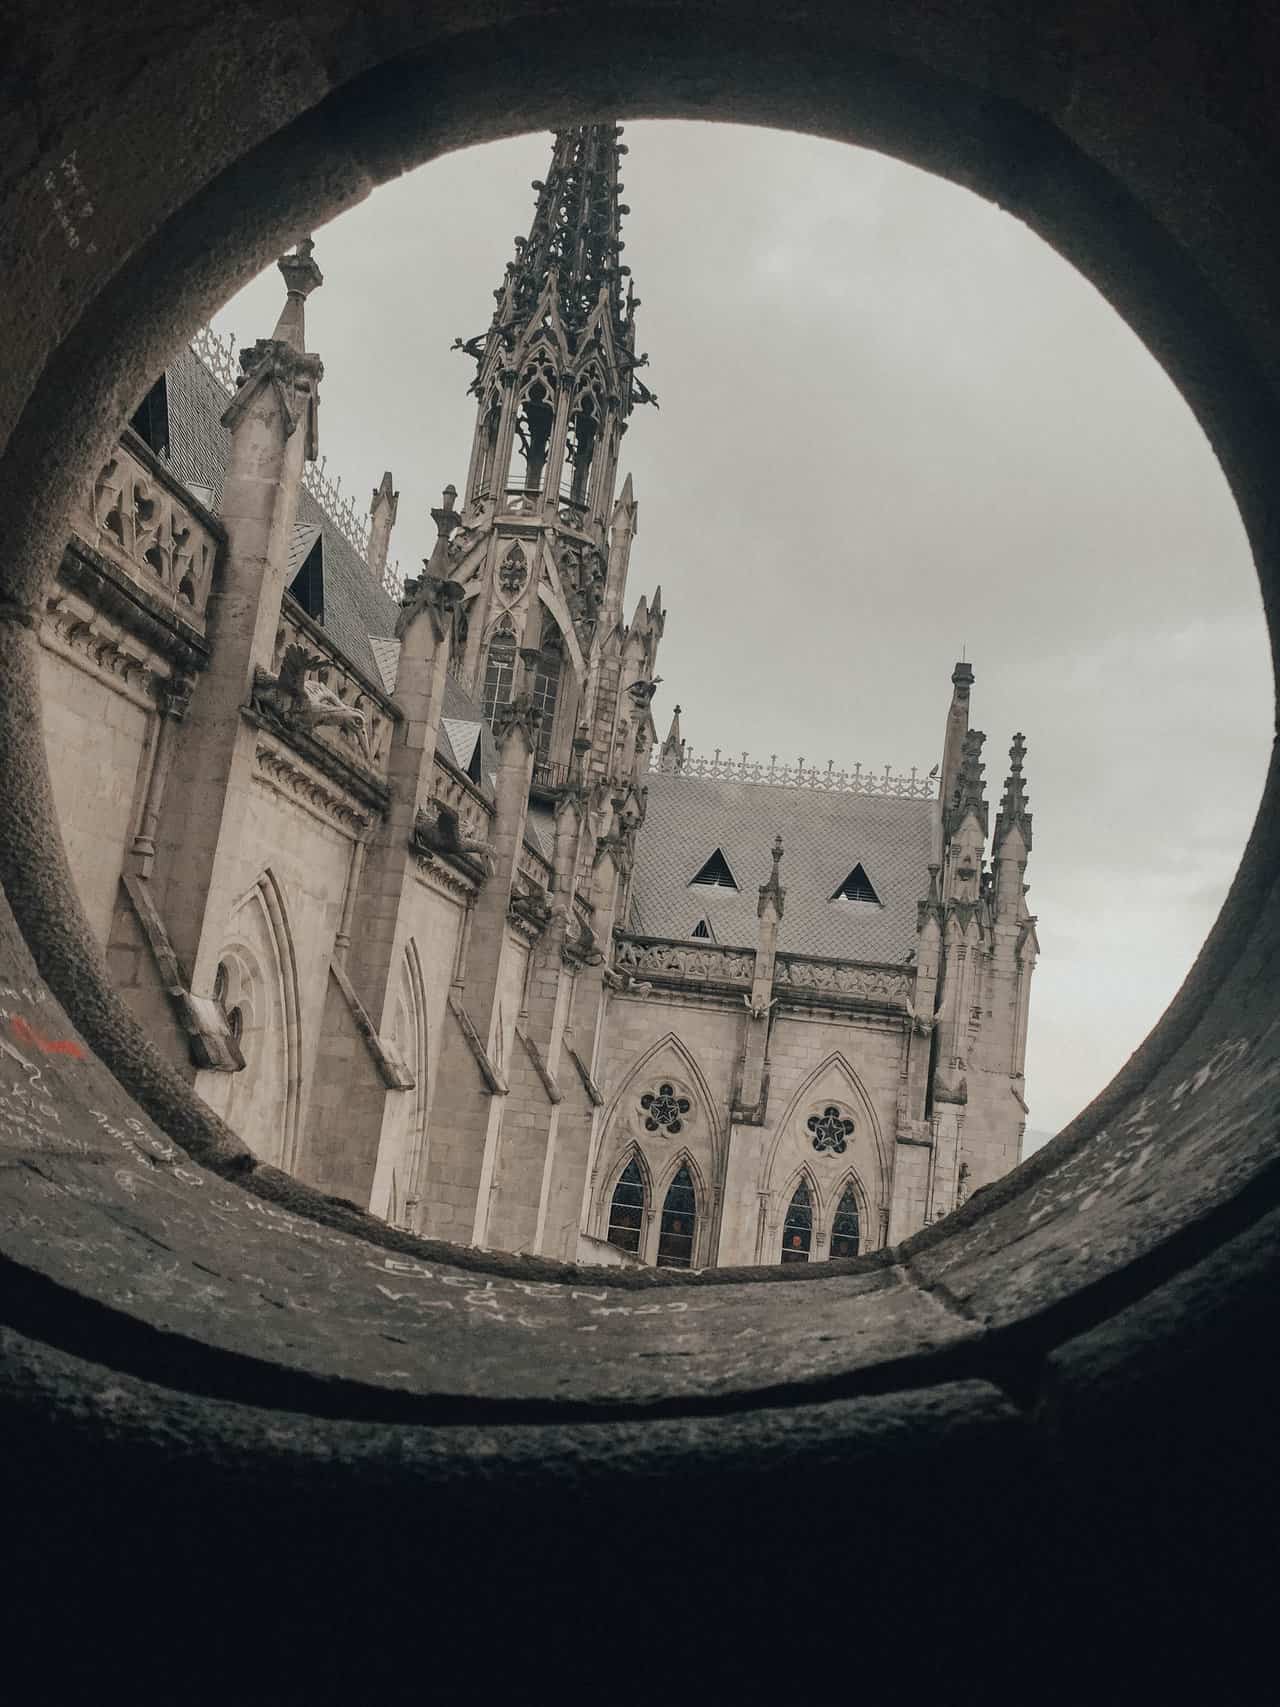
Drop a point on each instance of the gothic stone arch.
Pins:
(658, 1134)
(260, 979)
(402, 1145)
(825, 1157)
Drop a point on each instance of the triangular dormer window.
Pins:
(703, 931)
(715, 874)
(857, 887)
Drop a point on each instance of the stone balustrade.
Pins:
(657, 960)
(800, 977)
(449, 788)
(136, 516)
(864, 981)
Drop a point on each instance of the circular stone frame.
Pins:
(1049, 1412)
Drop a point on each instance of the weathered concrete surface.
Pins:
(1046, 1423)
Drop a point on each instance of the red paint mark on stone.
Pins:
(26, 1033)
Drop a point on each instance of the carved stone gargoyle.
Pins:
(625, 984)
(533, 909)
(304, 703)
(642, 692)
(580, 946)
(442, 835)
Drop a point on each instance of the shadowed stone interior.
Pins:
(1049, 1414)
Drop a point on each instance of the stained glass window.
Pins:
(679, 1218)
(797, 1229)
(831, 1130)
(844, 1229)
(664, 1110)
(626, 1211)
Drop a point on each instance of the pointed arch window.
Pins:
(546, 692)
(857, 887)
(797, 1228)
(715, 874)
(845, 1231)
(535, 416)
(500, 669)
(703, 931)
(585, 418)
(626, 1209)
(679, 1223)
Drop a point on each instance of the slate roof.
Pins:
(356, 609)
(825, 836)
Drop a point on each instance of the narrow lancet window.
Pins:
(845, 1233)
(500, 669)
(626, 1211)
(797, 1229)
(546, 691)
(679, 1220)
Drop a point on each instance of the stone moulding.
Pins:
(394, 1072)
(494, 1082)
(210, 1042)
(117, 596)
(545, 1075)
(281, 771)
(594, 1094)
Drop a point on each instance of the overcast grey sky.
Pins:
(893, 425)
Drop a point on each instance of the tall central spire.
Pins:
(571, 261)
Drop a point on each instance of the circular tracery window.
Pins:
(831, 1130)
(664, 1109)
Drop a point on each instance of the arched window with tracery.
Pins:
(585, 418)
(626, 1209)
(679, 1223)
(797, 1228)
(546, 691)
(490, 424)
(845, 1232)
(500, 669)
(534, 419)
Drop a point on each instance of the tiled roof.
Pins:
(825, 836)
(386, 655)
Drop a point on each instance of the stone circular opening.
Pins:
(357, 134)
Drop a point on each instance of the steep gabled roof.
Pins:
(826, 836)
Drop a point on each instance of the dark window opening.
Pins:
(703, 931)
(308, 583)
(473, 763)
(856, 887)
(845, 1232)
(535, 416)
(797, 1229)
(151, 418)
(626, 1211)
(715, 873)
(679, 1219)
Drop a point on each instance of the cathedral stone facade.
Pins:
(400, 875)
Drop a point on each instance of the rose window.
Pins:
(664, 1109)
(831, 1130)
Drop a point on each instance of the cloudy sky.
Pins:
(894, 427)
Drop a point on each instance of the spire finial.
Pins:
(301, 276)
(773, 890)
(1013, 805)
(970, 791)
